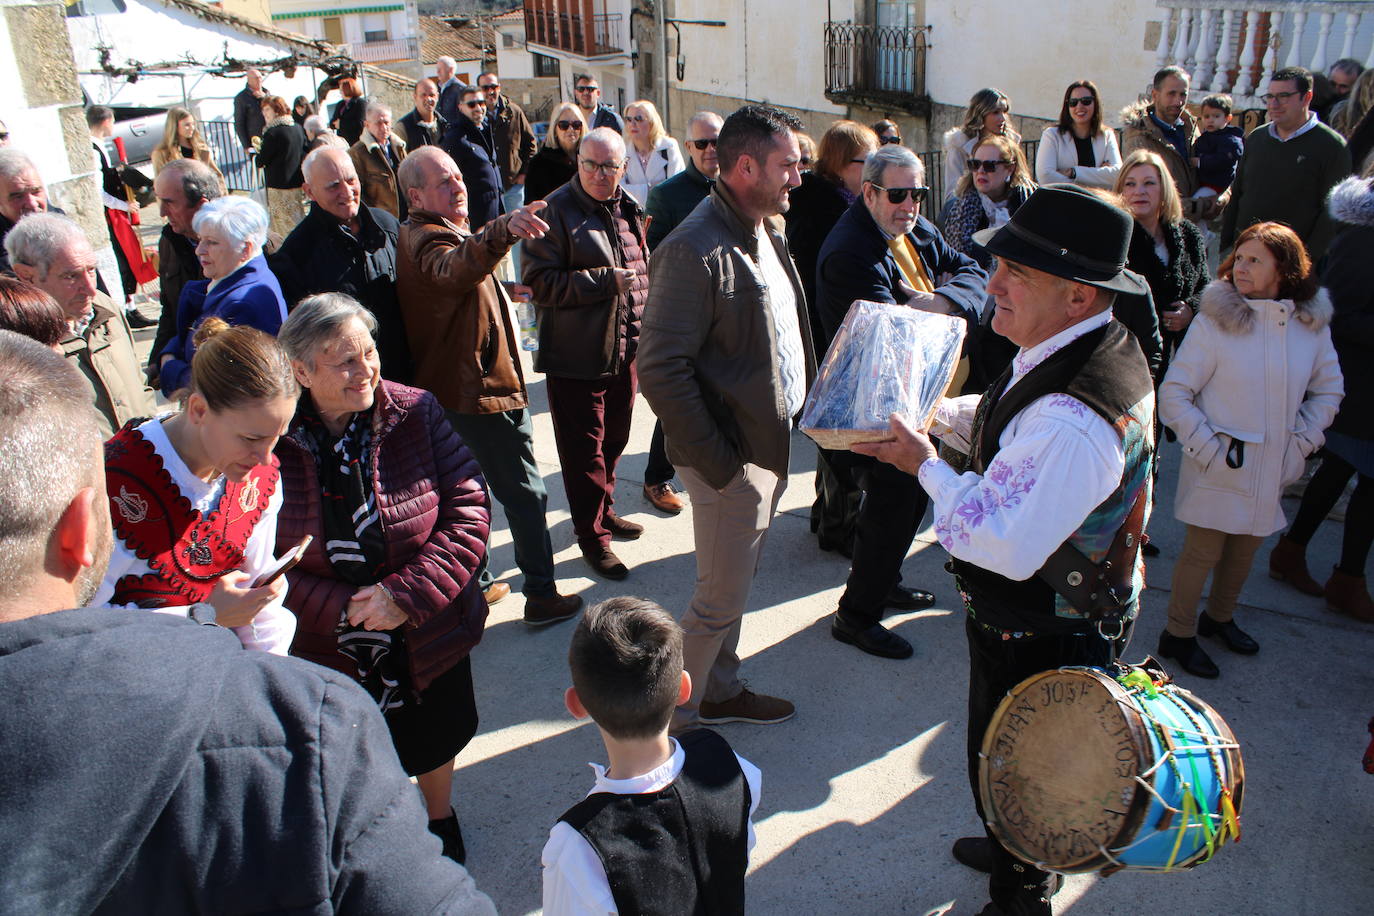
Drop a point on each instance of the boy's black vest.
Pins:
(1106, 370)
(681, 850)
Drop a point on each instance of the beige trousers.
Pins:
(730, 526)
(1228, 558)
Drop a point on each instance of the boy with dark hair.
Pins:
(1218, 148)
(668, 826)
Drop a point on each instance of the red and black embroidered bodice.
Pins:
(187, 550)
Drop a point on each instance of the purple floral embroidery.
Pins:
(1003, 487)
(1029, 359)
(1068, 402)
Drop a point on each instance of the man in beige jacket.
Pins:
(51, 252)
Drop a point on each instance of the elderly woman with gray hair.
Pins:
(238, 287)
(387, 590)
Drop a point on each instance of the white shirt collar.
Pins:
(201, 493)
(657, 779)
(1027, 360)
(1310, 123)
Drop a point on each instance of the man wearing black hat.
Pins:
(1044, 522)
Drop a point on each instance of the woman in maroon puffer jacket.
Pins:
(387, 591)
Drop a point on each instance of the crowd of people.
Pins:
(344, 395)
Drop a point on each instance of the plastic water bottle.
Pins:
(529, 327)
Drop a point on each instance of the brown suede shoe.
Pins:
(622, 527)
(496, 592)
(747, 706)
(1288, 563)
(664, 498)
(555, 608)
(604, 562)
(1349, 595)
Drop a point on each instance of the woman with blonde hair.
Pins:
(988, 113)
(1250, 395)
(556, 161)
(995, 183)
(181, 139)
(1166, 249)
(651, 156)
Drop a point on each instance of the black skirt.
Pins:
(430, 730)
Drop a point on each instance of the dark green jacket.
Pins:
(670, 202)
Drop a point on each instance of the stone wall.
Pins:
(536, 95)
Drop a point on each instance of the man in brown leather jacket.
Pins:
(589, 278)
(458, 321)
(725, 363)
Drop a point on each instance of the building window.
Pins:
(375, 36)
(507, 40)
(544, 65)
(374, 27)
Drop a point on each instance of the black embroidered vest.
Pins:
(1107, 372)
(682, 850)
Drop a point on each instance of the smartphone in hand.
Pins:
(285, 563)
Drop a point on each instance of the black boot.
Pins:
(1190, 655)
(448, 831)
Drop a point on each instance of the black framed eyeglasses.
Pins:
(605, 168)
(1084, 100)
(703, 144)
(1277, 96)
(986, 165)
(898, 195)
(475, 103)
(886, 140)
(587, 89)
(569, 125)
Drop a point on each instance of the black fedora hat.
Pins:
(1071, 233)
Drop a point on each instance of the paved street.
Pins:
(865, 789)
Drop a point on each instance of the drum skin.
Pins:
(1059, 766)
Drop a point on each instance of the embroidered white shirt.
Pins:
(782, 301)
(274, 626)
(574, 880)
(1057, 460)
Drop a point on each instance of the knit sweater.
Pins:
(1287, 182)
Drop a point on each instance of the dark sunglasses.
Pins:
(805, 160)
(886, 140)
(986, 165)
(703, 144)
(569, 125)
(898, 195)
(489, 87)
(587, 89)
(4, 135)
(475, 103)
(1082, 100)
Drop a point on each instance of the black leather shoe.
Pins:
(138, 320)
(1236, 639)
(451, 835)
(902, 598)
(1150, 550)
(1189, 654)
(875, 640)
(975, 852)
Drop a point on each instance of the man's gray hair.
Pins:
(37, 240)
(411, 173)
(13, 161)
(316, 320)
(895, 155)
(704, 117)
(49, 448)
(606, 136)
(375, 107)
(240, 219)
(198, 181)
(448, 62)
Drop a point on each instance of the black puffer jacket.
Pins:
(1349, 278)
(1182, 280)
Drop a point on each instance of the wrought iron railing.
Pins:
(581, 35)
(240, 172)
(872, 60)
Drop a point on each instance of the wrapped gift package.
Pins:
(885, 359)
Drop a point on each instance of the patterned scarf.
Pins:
(355, 545)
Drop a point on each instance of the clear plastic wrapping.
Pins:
(884, 359)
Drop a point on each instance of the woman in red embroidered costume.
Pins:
(194, 495)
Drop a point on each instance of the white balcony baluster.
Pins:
(1244, 84)
(1185, 21)
(1225, 52)
(1162, 52)
(1271, 53)
(1352, 23)
(1318, 64)
(1299, 24)
(1206, 50)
